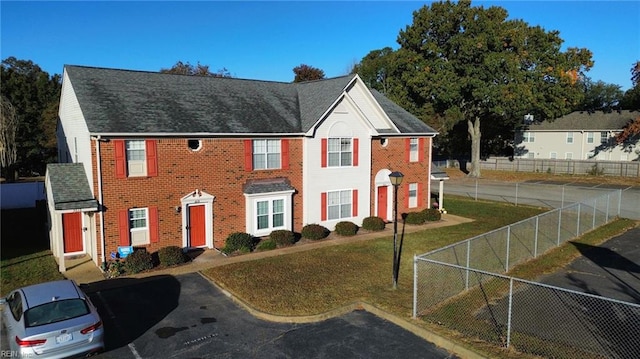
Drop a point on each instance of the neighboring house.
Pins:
(580, 135)
(186, 160)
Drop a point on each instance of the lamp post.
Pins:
(396, 180)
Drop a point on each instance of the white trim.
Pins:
(197, 197)
(251, 200)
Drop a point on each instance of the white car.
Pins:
(52, 320)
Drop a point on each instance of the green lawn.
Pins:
(25, 257)
(317, 281)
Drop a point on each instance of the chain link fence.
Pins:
(463, 288)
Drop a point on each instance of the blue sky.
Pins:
(266, 40)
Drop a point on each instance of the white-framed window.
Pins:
(266, 154)
(590, 137)
(553, 155)
(413, 195)
(136, 158)
(270, 214)
(139, 226)
(339, 152)
(624, 157)
(568, 155)
(569, 137)
(531, 155)
(528, 137)
(604, 137)
(339, 204)
(413, 150)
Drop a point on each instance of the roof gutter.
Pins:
(193, 134)
(98, 139)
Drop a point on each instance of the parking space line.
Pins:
(132, 347)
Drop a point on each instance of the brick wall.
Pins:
(392, 156)
(216, 168)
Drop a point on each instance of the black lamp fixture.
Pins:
(396, 179)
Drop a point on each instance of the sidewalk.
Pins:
(83, 270)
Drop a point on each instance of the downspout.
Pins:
(101, 199)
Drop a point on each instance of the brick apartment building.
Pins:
(152, 160)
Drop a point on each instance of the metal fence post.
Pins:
(595, 204)
(559, 224)
(620, 198)
(510, 310)
(466, 279)
(516, 194)
(476, 194)
(606, 219)
(578, 221)
(506, 260)
(415, 286)
(535, 237)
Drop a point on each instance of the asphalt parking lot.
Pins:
(188, 317)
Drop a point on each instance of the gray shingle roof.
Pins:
(582, 120)
(70, 187)
(122, 101)
(267, 186)
(438, 173)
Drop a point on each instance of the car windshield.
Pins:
(55, 311)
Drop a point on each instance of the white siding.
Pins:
(547, 142)
(73, 133)
(374, 115)
(347, 122)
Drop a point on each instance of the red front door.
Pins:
(382, 202)
(72, 232)
(196, 226)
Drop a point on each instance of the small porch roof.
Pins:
(267, 186)
(438, 173)
(70, 187)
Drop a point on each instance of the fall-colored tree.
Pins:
(630, 133)
(307, 73)
(185, 68)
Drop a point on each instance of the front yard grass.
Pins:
(317, 281)
(25, 257)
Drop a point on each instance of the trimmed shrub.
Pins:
(171, 255)
(115, 268)
(415, 218)
(373, 224)
(238, 241)
(346, 228)
(266, 245)
(432, 214)
(283, 237)
(314, 231)
(138, 261)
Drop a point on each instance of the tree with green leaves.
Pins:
(600, 96)
(34, 95)
(8, 129)
(631, 98)
(185, 68)
(463, 64)
(307, 73)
